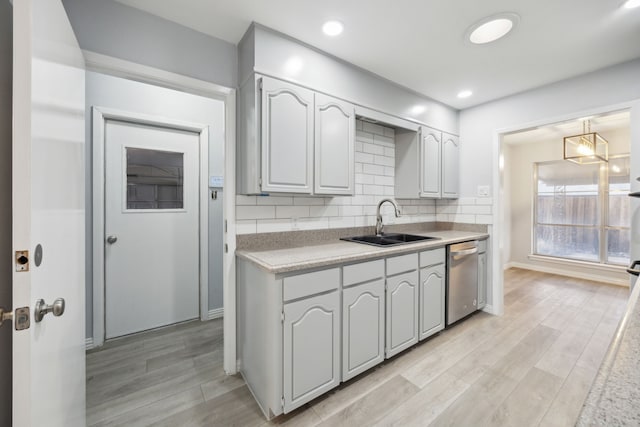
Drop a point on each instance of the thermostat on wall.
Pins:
(216, 181)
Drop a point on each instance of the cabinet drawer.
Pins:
(304, 285)
(432, 257)
(482, 246)
(400, 264)
(363, 272)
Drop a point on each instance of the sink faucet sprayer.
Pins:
(379, 224)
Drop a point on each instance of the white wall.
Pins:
(519, 167)
(576, 97)
(6, 72)
(113, 92)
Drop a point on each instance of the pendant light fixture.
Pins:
(586, 148)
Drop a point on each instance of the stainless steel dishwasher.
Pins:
(462, 280)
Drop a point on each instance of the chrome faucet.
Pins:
(379, 224)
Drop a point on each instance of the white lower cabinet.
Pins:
(311, 348)
(402, 312)
(432, 288)
(362, 327)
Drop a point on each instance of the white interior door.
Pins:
(151, 225)
(48, 212)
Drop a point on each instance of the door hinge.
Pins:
(225, 226)
(282, 401)
(260, 84)
(226, 248)
(22, 261)
(282, 316)
(260, 182)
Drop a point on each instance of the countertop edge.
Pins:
(373, 253)
(594, 406)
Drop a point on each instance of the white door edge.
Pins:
(131, 70)
(99, 117)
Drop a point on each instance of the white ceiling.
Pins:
(420, 43)
(601, 124)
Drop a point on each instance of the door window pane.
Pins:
(155, 179)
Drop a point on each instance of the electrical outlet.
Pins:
(483, 191)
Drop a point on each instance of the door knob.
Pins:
(42, 308)
(5, 315)
(112, 239)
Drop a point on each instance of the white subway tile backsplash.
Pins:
(245, 200)
(372, 128)
(373, 169)
(246, 226)
(273, 225)
(292, 211)
(364, 157)
(384, 161)
(374, 179)
(384, 141)
(372, 148)
(274, 200)
(345, 211)
(324, 211)
(365, 179)
(309, 201)
(255, 212)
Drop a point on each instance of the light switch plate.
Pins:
(483, 191)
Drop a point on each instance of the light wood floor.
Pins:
(532, 366)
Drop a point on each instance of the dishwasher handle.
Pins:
(464, 252)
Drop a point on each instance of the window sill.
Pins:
(586, 264)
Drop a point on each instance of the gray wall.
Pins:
(113, 92)
(117, 30)
(6, 65)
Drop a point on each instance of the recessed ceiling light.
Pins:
(464, 94)
(630, 4)
(333, 28)
(492, 28)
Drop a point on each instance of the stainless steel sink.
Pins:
(390, 239)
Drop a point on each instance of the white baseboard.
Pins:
(573, 274)
(88, 343)
(489, 309)
(215, 313)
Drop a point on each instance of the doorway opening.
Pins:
(565, 218)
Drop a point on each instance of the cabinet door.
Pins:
(334, 146)
(402, 312)
(482, 280)
(362, 328)
(311, 348)
(450, 166)
(287, 137)
(431, 300)
(430, 163)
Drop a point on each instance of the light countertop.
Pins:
(336, 252)
(614, 399)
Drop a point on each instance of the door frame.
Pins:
(137, 72)
(99, 116)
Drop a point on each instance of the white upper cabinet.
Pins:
(287, 137)
(334, 146)
(450, 166)
(294, 140)
(430, 170)
(427, 164)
